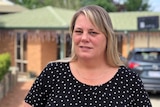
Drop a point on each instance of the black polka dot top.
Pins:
(57, 87)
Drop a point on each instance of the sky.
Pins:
(155, 5)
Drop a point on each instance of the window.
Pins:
(21, 51)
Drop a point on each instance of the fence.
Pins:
(8, 81)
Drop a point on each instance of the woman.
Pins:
(95, 75)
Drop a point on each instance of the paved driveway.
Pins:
(155, 99)
(15, 96)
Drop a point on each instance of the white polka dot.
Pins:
(57, 87)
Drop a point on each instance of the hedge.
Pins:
(5, 62)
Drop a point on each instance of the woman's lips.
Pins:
(85, 47)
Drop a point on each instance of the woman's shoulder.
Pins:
(58, 64)
(55, 66)
(126, 69)
(54, 69)
(128, 73)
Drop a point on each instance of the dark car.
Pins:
(146, 62)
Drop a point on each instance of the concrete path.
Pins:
(15, 97)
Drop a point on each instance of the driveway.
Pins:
(155, 99)
(15, 97)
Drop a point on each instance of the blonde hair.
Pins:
(100, 19)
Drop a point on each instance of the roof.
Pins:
(58, 18)
(46, 17)
(11, 8)
(5, 2)
(7, 6)
(128, 20)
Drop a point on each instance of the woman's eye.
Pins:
(78, 32)
(93, 33)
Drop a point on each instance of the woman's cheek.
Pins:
(76, 40)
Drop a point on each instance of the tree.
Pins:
(108, 5)
(31, 4)
(136, 5)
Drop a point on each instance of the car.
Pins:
(146, 62)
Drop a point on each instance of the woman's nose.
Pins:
(85, 37)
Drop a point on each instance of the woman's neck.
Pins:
(91, 65)
(92, 73)
(94, 66)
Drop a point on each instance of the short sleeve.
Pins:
(38, 94)
(141, 97)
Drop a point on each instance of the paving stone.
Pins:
(15, 97)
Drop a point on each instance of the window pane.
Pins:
(148, 56)
(25, 46)
(18, 53)
(24, 67)
(18, 39)
(19, 66)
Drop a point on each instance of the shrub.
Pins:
(5, 62)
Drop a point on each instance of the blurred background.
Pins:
(35, 32)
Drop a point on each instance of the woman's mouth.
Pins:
(85, 47)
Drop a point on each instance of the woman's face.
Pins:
(89, 42)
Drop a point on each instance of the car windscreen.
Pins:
(148, 56)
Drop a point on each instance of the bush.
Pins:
(5, 62)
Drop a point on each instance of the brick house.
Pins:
(8, 7)
(126, 27)
(35, 37)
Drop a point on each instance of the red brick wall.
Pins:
(39, 54)
(33, 56)
(7, 45)
(48, 52)
(140, 39)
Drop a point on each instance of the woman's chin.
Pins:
(86, 57)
